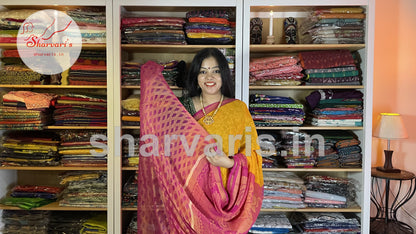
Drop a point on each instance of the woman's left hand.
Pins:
(221, 160)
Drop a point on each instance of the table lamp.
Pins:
(390, 127)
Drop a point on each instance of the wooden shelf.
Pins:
(55, 206)
(353, 210)
(315, 169)
(130, 168)
(56, 168)
(264, 48)
(74, 127)
(138, 87)
(101, 46)
(310, 127)
(312, 87)
(169, 48)
(130, 127)
(54, 86)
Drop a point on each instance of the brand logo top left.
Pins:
(49, 42)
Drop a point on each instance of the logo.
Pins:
(49, 42)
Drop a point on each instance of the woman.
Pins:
(208, 177)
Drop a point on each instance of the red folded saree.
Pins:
(180, 193)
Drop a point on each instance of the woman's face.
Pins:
(209, 77)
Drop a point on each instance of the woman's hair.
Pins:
(192, 87)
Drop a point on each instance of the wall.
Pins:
(395, 84)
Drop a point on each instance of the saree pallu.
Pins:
(181, 193)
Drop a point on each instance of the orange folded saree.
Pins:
(179, 190)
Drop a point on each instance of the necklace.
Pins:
(209, 119)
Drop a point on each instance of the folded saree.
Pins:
(186, 194)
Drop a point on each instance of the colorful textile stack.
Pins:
(89, 69)
(132, 228)
(76, 147)
(229, 54)
(29, 148)
(96, 224)
(81, 110)
(14, 71)
(26, 110)
(153, 30)
(326, 222)
(91, 23)
(173, 72)
(268, 110)
(278, 70)
(339, 25)
(328, 192)
(271, 223)
(84, 189)
(295, 150)
(25, 221)
(67, 222)
(330, 67)
(131, 159)
(31, 196)
(349, 152)
(10, 22)
(209, 27)
(283, 190)
(130, 189)
(130, 112)
(335, 107)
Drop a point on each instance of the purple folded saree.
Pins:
(180, 193)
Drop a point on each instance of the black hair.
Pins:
(191, 85)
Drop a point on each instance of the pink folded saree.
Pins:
(179, 190)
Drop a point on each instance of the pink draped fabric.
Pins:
(180, 193)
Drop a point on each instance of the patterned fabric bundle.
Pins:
(84, 189)
(95, 225)
(25, 221)
(89, 69)
(29, 148)
(335, 67)
(31, 196)
(283, 190)
(271, 223)
(279, 70)
(295, 150)
(326, 223)
(75, 148)
(268, 110)
(68, 221)
(10, 22)
(329, 192)
(335, 108)
(334, 26)
(91, 23)
(173, 72)
(132, 228)
(210, 26)
(131, 159)
(130, 189)
(153, 30)
(81, 110)
(14, 71)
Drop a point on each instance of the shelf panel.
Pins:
(55, 206)
(353, 210)
(130, 127)
(130, 168)
(74, 127)
(169, 48)
(53, 86)
(315, 169)
(277, 87)
(102, 46)
(264, 48)
(138, 87)
(309, 128)
(57, 168)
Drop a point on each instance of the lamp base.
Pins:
(388, 170)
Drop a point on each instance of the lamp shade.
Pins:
(390, 126)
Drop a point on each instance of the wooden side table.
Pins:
(386, 220)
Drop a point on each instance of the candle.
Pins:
(271, 24)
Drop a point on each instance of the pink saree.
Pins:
(179, 190)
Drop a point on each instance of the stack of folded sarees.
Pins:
(326, 222)
(295, 150)
(271, 223)
(31, 196)
(10, 22)
(209, 26)
(130, 112)
(153, 30)
(130, 151)
(278, 70)
(336, 25)
(89, 69)
(25, 221)
(14, 71)
(91, 23)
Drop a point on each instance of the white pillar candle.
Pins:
(271, 24)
